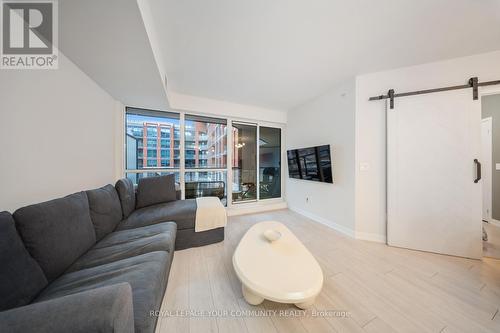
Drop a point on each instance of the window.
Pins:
(153, 142)
(205, 149)
(153, 147)
(206, 142)
(269, 162)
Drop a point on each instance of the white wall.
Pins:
(57, 131)
(327, 119)
(371, 129)
(154, 40)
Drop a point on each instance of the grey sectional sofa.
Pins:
(93, 261)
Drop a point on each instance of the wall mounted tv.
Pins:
(312, 163)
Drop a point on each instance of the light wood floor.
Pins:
(383, 289)
(491, 248)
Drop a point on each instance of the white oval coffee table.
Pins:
(281, 271)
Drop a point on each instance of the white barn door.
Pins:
(433, 202)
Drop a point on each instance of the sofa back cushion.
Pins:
(56, 232)
(155, 190)
(105, 210)
(21, 278)
(126, 192)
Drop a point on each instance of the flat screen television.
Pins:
(313, 163)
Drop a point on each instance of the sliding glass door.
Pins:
(269, 162)
(244, 162)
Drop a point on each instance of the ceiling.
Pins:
(280, 53)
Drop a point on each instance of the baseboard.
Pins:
(340, 228)
(335, 226)
(494, 222)
(252, 208)
(371, 237)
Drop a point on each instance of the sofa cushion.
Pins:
(21, 278)
(105, 210)
(155, 190)
(126, 193)
(130, 235)
(128, 243)
(147, 274)
(56, 232)
(182, 212)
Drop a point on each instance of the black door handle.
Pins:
(478, 171)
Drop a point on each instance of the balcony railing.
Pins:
(205, 189)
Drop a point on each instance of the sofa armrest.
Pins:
(106, 309)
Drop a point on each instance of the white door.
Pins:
(486, 160)
(433, 202)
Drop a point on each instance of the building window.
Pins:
(153, 142)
